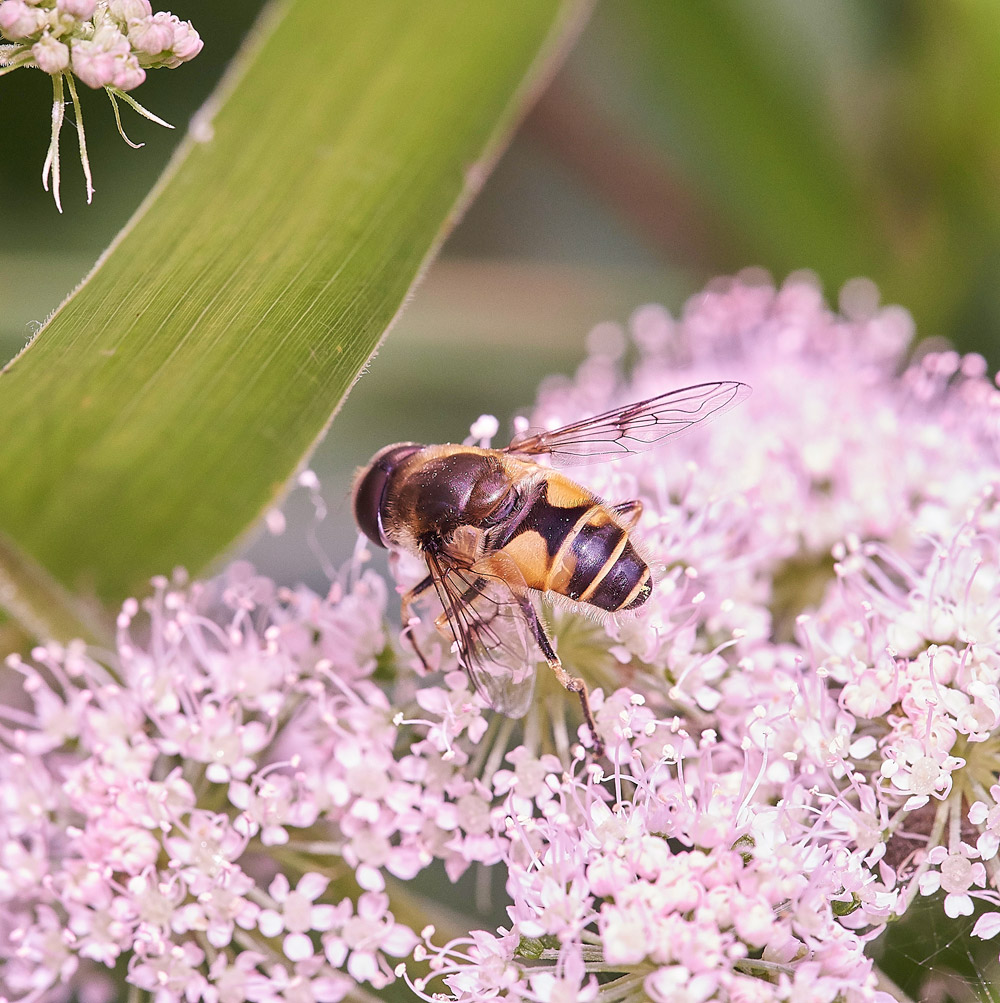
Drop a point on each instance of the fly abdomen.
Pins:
(623, 583)
(607, 572)
(566, 542)
(595, 544)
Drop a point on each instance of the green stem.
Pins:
(42, 606)
(759, 967)
(624, 987)
(50, 167)
(114, 92)
(416, 911)
(888, 986)
(81, 137)
(16, 64)
(361, 995)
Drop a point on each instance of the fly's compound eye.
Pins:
(370, 490)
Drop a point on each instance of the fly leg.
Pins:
(442, 622)
(404, 614)
(571, 683)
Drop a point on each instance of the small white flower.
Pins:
(298, 914)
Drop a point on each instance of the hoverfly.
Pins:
(496, 529)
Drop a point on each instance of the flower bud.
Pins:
(128, 74)
(124, 11)
(51, 55)
(93, 64)
(80, 9)
(151, 35)
(108, 37)
(103, 43)
(186, 45)
(18, 20)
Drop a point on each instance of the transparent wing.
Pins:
(486, 617)
(632, 428)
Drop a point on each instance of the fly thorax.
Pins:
(460, 489)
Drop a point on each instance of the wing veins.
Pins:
(634, 427)
(480, 645)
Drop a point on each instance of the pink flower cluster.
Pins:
(802, 725)
(818, 738)
(149, 803)
(106, 43)
(686, 887)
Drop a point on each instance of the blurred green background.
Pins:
(680, 141)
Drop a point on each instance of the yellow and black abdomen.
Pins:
(568, 542)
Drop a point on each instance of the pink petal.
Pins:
(987, 926)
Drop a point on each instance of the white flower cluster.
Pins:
(104, 43)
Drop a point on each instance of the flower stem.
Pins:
(624, 987)
(114, 92)
(81, 137)
(50, 169)
(118, 121)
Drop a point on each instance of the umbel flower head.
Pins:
(802, 725)
(104, 43)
